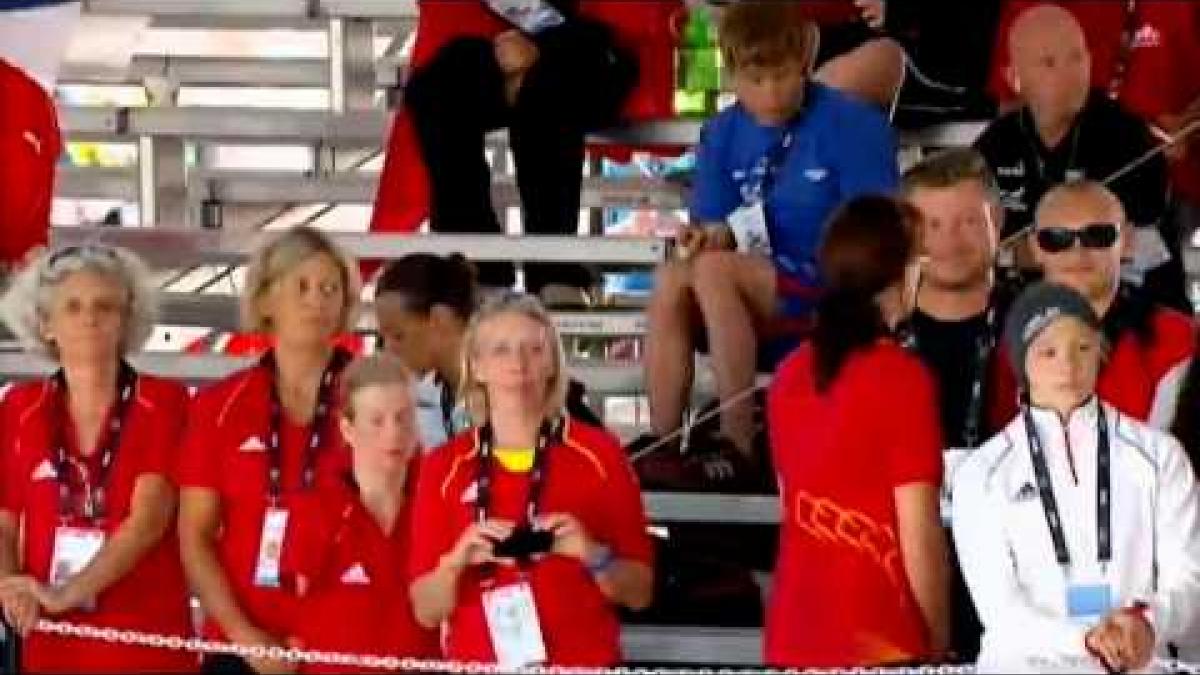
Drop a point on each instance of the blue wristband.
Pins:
(601, 560)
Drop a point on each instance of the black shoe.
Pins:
(714, 465)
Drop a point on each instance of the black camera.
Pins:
(524, 543)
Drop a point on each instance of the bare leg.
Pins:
(670, 345)
(873, 72)
(736, 294)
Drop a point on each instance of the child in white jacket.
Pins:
(1078, 528)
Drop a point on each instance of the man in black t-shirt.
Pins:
(957, 318)
(1065, 132)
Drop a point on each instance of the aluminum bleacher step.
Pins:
(204, 368)
(277, 9)
(220, 312)
(368, 127)
(177, 247)
(291, 187)
(692, 645)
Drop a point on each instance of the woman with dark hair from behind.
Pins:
(423, 303)
(855, 434)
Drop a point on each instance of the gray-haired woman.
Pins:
(87, 508)
(264, 438)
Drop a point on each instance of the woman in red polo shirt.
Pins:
(861, 578)
(88, 508)
(529, 527)
(262, 441)
(348, 558)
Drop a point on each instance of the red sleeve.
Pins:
(624, 528)
(431, 534)
(199, 463)
(14, 465)
(912, 424)
(11, 489)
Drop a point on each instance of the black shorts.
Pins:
(838, 39)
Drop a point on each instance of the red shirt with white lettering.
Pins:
(353, 580)
(586, 475)
(30, 423)
(841, 596)
(225, 450)
(30, 144)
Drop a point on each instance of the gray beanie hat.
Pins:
(1036, 308)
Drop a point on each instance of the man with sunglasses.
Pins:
(1067, 131)
(1080, 236)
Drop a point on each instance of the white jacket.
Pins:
(1007, 555)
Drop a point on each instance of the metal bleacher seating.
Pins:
(176, 196)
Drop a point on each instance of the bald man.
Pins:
(1079, 239)
(1064, 131)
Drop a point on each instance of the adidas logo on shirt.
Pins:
(44, 471)
(252, 444)
(1147, 37)
(470, 494)
(356, 575)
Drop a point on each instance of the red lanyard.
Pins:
(325, 393)
(95, 505)
(1125, 53)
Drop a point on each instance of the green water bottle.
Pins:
(699, 65)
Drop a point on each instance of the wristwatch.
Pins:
(600, 559)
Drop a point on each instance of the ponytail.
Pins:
(847, 321)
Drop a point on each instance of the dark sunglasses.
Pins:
(1095, 236)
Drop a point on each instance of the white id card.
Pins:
(1149, 249)
(270, 548)
(74, 548)
(513, 625)
(749, 226)
(952, 459)
(531, 16)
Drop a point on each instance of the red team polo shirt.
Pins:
(1161, 77)
(841, 595)
(150, 436)
(586, 475)
(355, 595)
(29, 145)
(225, 450)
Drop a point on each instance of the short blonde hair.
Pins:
(377, 370)
(28, 300)
(278, 257)
(473, 393)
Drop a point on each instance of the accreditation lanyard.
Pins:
(985, 343)
(547, 434)
(95, 505)
(325, 394)
(1041, 474)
